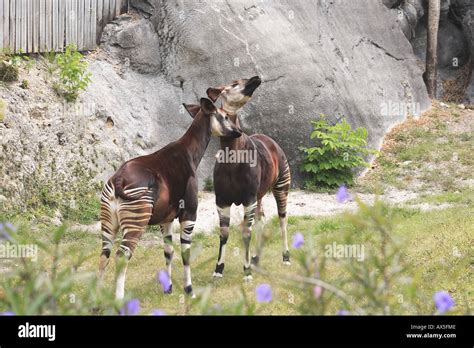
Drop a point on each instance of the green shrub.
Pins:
(208, 185)
(338, 151)
(73, 76)
(25, 84)
(8, 71)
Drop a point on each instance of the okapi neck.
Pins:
(234, 143)
(197, 137)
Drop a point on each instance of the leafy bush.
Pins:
(73, 76)
(8, 71)
(338, 151)
(208, 185)
(10, 64)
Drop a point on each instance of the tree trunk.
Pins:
(432, 46)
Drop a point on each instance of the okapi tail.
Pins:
(120, 192)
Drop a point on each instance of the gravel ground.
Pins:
(300, 203)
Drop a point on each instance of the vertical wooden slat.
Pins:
(42, 25)
(24, 25)
(80, 24)
(54, 32)
(17, 25)
(6, 24)
(106, 12)
(100, 18)
(61, 24)
(112, 10)
(1, 24)
(29, 26)
(68, 21)
(36, 23)
(93, 24)
(118, 7)
(48, 25)
(12, 27)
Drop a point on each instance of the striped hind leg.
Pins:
(224, 220)
(133, 217)
(249, 218)
(109, 226)
(280, 192)
(168, 251)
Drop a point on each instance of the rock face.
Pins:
(330, 57)
(324, 57)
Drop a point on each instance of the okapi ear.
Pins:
(192, 109)
(214, 93)
(207, 106)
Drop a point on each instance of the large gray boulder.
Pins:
(339, 58)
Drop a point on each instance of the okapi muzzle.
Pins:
(235, 95)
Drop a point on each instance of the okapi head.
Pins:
(236, 94)
(221, 124)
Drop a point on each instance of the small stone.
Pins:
(462, 106)
(444, 105)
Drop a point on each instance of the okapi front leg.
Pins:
(249, 217)
(168, 251)
(187, 220)
(186, 239)
(224, 220)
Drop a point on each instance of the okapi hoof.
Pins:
(248, 274)
(255, 260)
(248, 278)
(286, 258)
(169, 290)
(219, 270)
(189, 291)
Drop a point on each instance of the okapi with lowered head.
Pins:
(246, 169)
(156, 189)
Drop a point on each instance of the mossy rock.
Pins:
(3, 109)
(8, 71)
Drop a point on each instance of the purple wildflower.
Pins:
(443, 301)
(263, 293)
(164, 279)
(158, 312)
(342, 312)
(298, 240)
(317, 291)
(7, 313)
(132, 307)
(342, 194)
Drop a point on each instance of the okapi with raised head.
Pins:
(157, 188)
(246, 182)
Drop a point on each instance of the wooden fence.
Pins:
(31, 26)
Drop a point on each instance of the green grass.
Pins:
(437, 245)
(422, 151)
